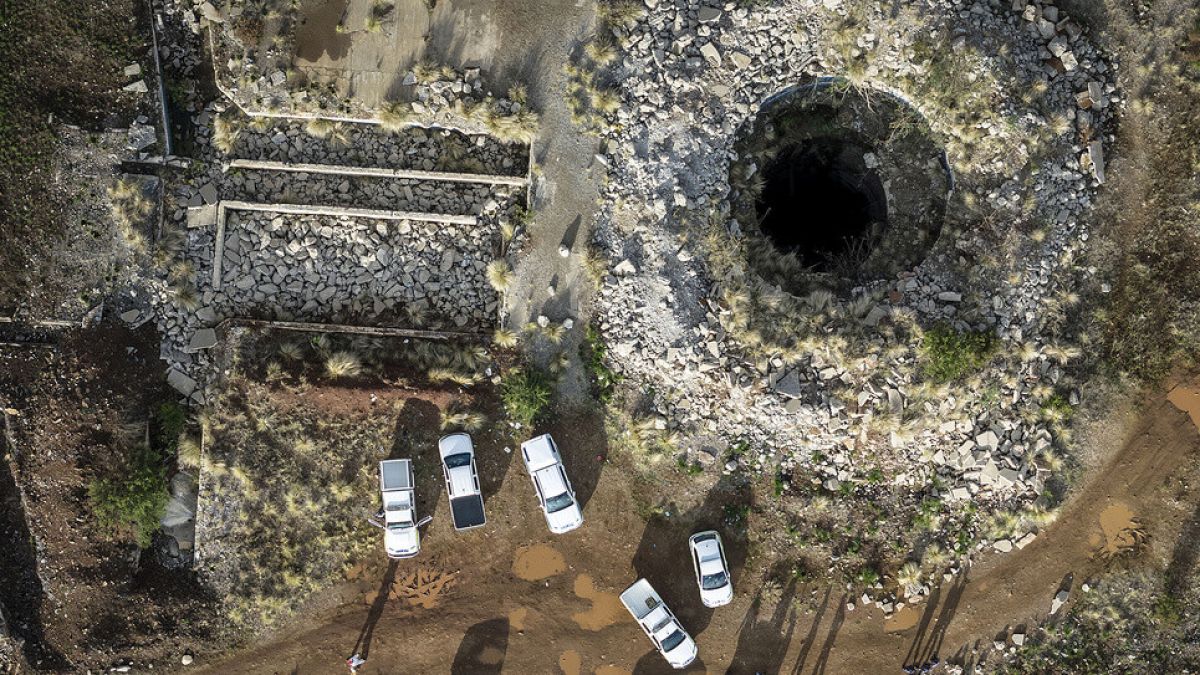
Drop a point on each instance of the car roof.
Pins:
(539, 452)
(454, 444)
(552, 481)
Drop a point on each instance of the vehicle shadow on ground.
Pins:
(654, 664)
(931, 631)
(763, 641)
(415, 437)
(663, 556)
(584, 447)
(363, 645)
(482, 649)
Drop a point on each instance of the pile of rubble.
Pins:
(357, 270)
(692, 77)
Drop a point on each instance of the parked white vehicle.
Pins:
(401, 530)
(462, 481)
(712, 571)
(664, 630)
(550, 482)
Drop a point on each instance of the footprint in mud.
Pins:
(537, 562)
(606, 607)
(422, 588)
(570, 662)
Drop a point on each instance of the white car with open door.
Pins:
(462, 481)
(550, 482)
(712, 570)
(659, 624)
(401, 529)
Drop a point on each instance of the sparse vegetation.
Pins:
(525, 393)
(343, 364)
(949, 355)
(133, 499)
(593, 351)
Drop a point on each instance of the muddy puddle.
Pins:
(902, 620)
(537, 562)
(516, 618)
(1187, 399)
(570, 662)
(606, 607)
(318, 36)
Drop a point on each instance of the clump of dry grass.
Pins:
(394, 117)
(225, 133)
(343, 364)
(130, 208)
(500, 275)
(503, 337)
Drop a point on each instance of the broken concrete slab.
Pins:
(205, 338)
(181, 382)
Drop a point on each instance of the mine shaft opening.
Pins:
(823, 203)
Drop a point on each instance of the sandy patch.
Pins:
(537, 562)
(606, 607)
(612, 670)
(570, 662)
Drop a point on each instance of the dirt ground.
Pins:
(512, 598)
(88, 600)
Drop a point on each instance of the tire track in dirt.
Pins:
(1017, 588)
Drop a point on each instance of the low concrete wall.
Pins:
(374, 172)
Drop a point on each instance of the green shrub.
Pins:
(169, 420)
(136, 500)
(525, 393)
(950, 355)
(592, 351)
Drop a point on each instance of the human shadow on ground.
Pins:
(763, 640)
(482, 649)
(811, 638)
(931, 632)
(363, 645)
(415, 437)
(663, 555)
(819, 668)
(583, 445)
(1183, 557)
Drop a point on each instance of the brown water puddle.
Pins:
(318, 35)
(537, 562)
(1121, 530)
(902, 620)
(570, 662)
(606, 607)
(1187, 399)
(516, 618)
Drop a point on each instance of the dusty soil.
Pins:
(89, 600)
(512, 598)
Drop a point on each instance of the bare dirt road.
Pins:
(511, 598)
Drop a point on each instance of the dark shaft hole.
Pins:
(822, 203)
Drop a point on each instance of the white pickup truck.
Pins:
(401, 530)
(664, 630)
(550, 482)
(462, 481)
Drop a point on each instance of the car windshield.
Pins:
(556, 504)
(399, 527)
(461, 459)
(712, 581)
(673, 640)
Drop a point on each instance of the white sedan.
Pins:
(554, 491)
(712, 571)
